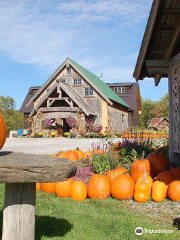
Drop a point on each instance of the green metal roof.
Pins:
(105, 89)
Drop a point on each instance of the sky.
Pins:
(104, 36)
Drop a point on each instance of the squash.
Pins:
(139, 167)
(62, 189)
(114, 173)
(141, 192)
(79, 152)
(159, 191)
(167, 177)
(122, 187)
(147, 179)
(158, 163)
(3, 131)
(78, 190)
(48, 187)
(99, 187)
(73, 156)
(174, 191)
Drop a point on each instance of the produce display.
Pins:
(146, 179)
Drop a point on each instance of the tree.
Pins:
(147, 108)
(153, 109)
(13, 118)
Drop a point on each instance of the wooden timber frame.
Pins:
(159, 57)
(20, 174)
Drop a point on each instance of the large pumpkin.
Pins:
(114, 173)
(174, 191)
(175, 172)
(138, 168)
(78, 190)
(167, 177)
(147, 179)
(62, 189)
(158, 163)
(141, 192)
(122, 187)
(3, 131)
(159, 191)
(99, 187)
(48, 187)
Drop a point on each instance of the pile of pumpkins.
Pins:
(147, 178)
(76, 154)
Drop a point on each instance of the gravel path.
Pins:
(48, 145)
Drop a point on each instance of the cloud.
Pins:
(44, 33)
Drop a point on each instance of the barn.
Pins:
(70, 90)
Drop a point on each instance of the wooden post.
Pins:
(19, 211)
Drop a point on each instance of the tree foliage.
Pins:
(154, 109)
(12, 117)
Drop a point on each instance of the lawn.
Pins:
(101, 219)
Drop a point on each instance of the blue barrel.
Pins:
(19, 132)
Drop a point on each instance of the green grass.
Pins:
(90, 220)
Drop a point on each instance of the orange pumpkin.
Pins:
(114, 173)
(78, 191)
(141, 192)
(174, 191)
(158, 163)
(166, 177)
(99, 187)
(138, 168)
(79, 152)
(48, 187)
(159, 191)
(38, 187)
(122, 187)
(3, 131)
(175, 172)
(147, 179)
(62, 189)
(73, 156)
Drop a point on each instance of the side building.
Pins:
(130, 93)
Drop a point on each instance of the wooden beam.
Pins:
(174, 39)
(156, 70)
(166, 27)
(161, 40)
(157, 79)
(156, 63)
(171, 12)
(59, 109)
(155, 67)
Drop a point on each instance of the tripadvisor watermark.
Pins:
(140, 231)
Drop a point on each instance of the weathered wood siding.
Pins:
(119, 120)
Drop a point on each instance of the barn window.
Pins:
(120, 89)
(77, 81)
(89, 91)
(122, 118)
(69, 70)
(63, 80)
